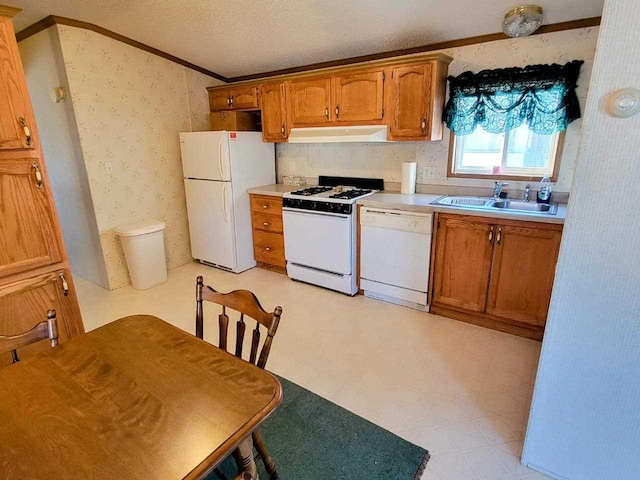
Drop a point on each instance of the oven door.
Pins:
(318, 240)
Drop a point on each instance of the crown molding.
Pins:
(491, 37)
(52, 20)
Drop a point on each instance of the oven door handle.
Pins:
(312, 212)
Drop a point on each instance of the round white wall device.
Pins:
(623, 103)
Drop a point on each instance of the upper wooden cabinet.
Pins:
(244, 98)
(220, 99)
(241, 98)
(28, 236)
(309, 101)
(358, 97)
(16, 129)
(406, 95)
(410, 98)
(498, 273)
(274, 112)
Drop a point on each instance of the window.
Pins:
(515, 153)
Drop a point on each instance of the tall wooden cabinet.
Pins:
(34, 271)
(495, 272)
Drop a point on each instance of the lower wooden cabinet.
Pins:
(496, 273)
(268, 235)
(24, 304)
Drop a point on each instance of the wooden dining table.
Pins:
(135, 399)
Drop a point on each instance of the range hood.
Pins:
(365, 133)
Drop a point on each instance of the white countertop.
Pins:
(421, 202)
(275, 190)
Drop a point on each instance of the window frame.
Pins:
(515, 178)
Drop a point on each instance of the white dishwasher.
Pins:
(395, 247)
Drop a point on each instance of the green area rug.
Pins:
(311, 438)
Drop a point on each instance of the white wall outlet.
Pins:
(428, 173)
(108, 168)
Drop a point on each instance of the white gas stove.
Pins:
(320, 231)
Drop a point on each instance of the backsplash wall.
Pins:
(385, 159)
(130, 106)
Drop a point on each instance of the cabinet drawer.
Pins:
(267, 223)
(268, 248)
(266, 204)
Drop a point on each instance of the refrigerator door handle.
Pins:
(224, 203)
(220, 160)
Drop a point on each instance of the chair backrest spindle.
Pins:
(47, 329)
(246, 303)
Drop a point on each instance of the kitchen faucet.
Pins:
(527, 192)
(497, 189)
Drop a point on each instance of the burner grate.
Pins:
(348, 194)
(307, 192)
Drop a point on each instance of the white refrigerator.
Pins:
(218, 168)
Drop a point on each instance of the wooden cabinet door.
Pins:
(358, 96)
(522, 272)
(274, 114)
(219, 100)
(243, 98)
(410, 94)
(24, 304)
(309, 101)
(462, 262)
(15, 131)
(27, 230)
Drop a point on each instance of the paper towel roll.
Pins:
(409, 170)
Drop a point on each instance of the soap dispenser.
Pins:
(544, 193)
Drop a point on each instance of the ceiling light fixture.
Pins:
(522, 21)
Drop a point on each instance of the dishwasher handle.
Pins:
(416, 222)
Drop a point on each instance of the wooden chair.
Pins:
(246, 303)
(43, 330)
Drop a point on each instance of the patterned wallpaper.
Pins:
(385, 160)
(130, 106)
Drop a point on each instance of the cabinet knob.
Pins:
(326, 113)
(266, 224)
(499, 236)
(490, 234)
(337, 111)
(424, 124)
(268, 249)
(265, 206)
(282, 130)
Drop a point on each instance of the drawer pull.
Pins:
(65, 285)
(268, 249)
(38, 175)
(266, 224)
(27, 131)
(265, 206)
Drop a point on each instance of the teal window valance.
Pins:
(542, 96)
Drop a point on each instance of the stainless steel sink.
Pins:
(525, 206)
(455, 201)
(488, 203)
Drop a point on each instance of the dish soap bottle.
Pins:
(544, 194)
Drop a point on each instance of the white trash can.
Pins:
(143, 244)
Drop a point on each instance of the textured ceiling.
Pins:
(239, 37)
